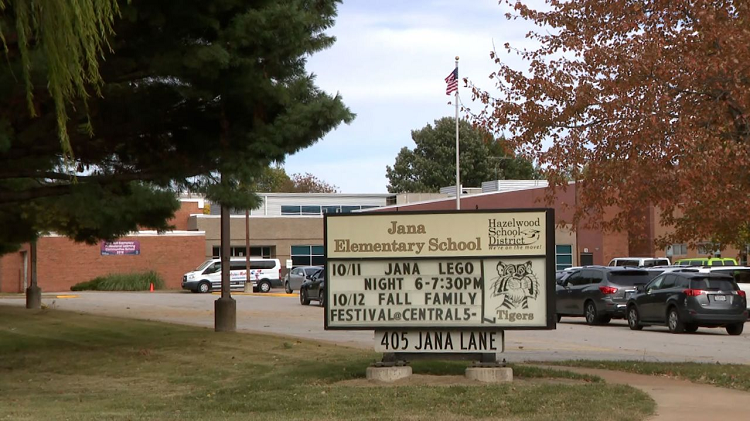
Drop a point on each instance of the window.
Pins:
(712, 284)
(237, 265)
(678, 249)
(318, 210)
(309, 210)
(290, 210)
(307, 255)
(262, 264)
(656, 283)
(591, 277)
(239, 251)
(576, 279)
(669, 282)
(213, 268)
(629, 277)
(682, 282)
(563, 256)
(709, 248)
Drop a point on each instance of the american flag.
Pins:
(452, 82)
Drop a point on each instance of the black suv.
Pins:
(598, 293)
(314, 288)
(685, 301)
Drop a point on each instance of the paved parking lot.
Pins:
(282, 314)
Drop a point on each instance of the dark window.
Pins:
(628, 278)
(593, 276)
(212, 268)
(683, 282)
(669, 282)
(656, 283)
(264, 252)
(310, 210)
(235, 265)
(262, 264)
(331, 209)
(712, 284)
(740, 276)
(576, 279)
(311, 271)
(349, 209)
(290, 210)
(563, 256)
(307, 255)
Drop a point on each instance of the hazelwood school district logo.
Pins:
(514, 233)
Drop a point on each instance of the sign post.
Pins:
(443, 283)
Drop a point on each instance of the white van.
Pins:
(639, 261)
(264, 274)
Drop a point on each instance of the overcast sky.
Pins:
(389, 63)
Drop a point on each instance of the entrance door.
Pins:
(586, 259)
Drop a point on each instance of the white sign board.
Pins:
(476, 270)
(452, 341)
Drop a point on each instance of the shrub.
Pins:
(138, 281)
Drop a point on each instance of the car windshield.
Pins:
(310, 271)
(741, 276)
(203, 265)
(712, 284)
(630, 277)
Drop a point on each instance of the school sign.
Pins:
(440, 281)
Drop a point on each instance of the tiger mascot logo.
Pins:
(515, 285)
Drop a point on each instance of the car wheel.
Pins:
(634, 321)
(264, 286)
(322, 298)
(691, 328)
(735, 329)
(590, 312)
(674, 323)
(204, 287)
(303, 297)
(287, 288)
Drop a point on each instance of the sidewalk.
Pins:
(679, 400)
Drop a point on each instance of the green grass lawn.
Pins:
(732, 376)
(57, 365)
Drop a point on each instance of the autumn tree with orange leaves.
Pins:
(643, 103)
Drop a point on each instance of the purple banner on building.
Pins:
(115, 248)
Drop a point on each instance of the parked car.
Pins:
(741, 275)
(598, 293)
(264, 274)
(706, 261)
(314, 288)
(294, 278)
(685, 301)
(639, 261)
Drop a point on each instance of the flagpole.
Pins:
(458, 180)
